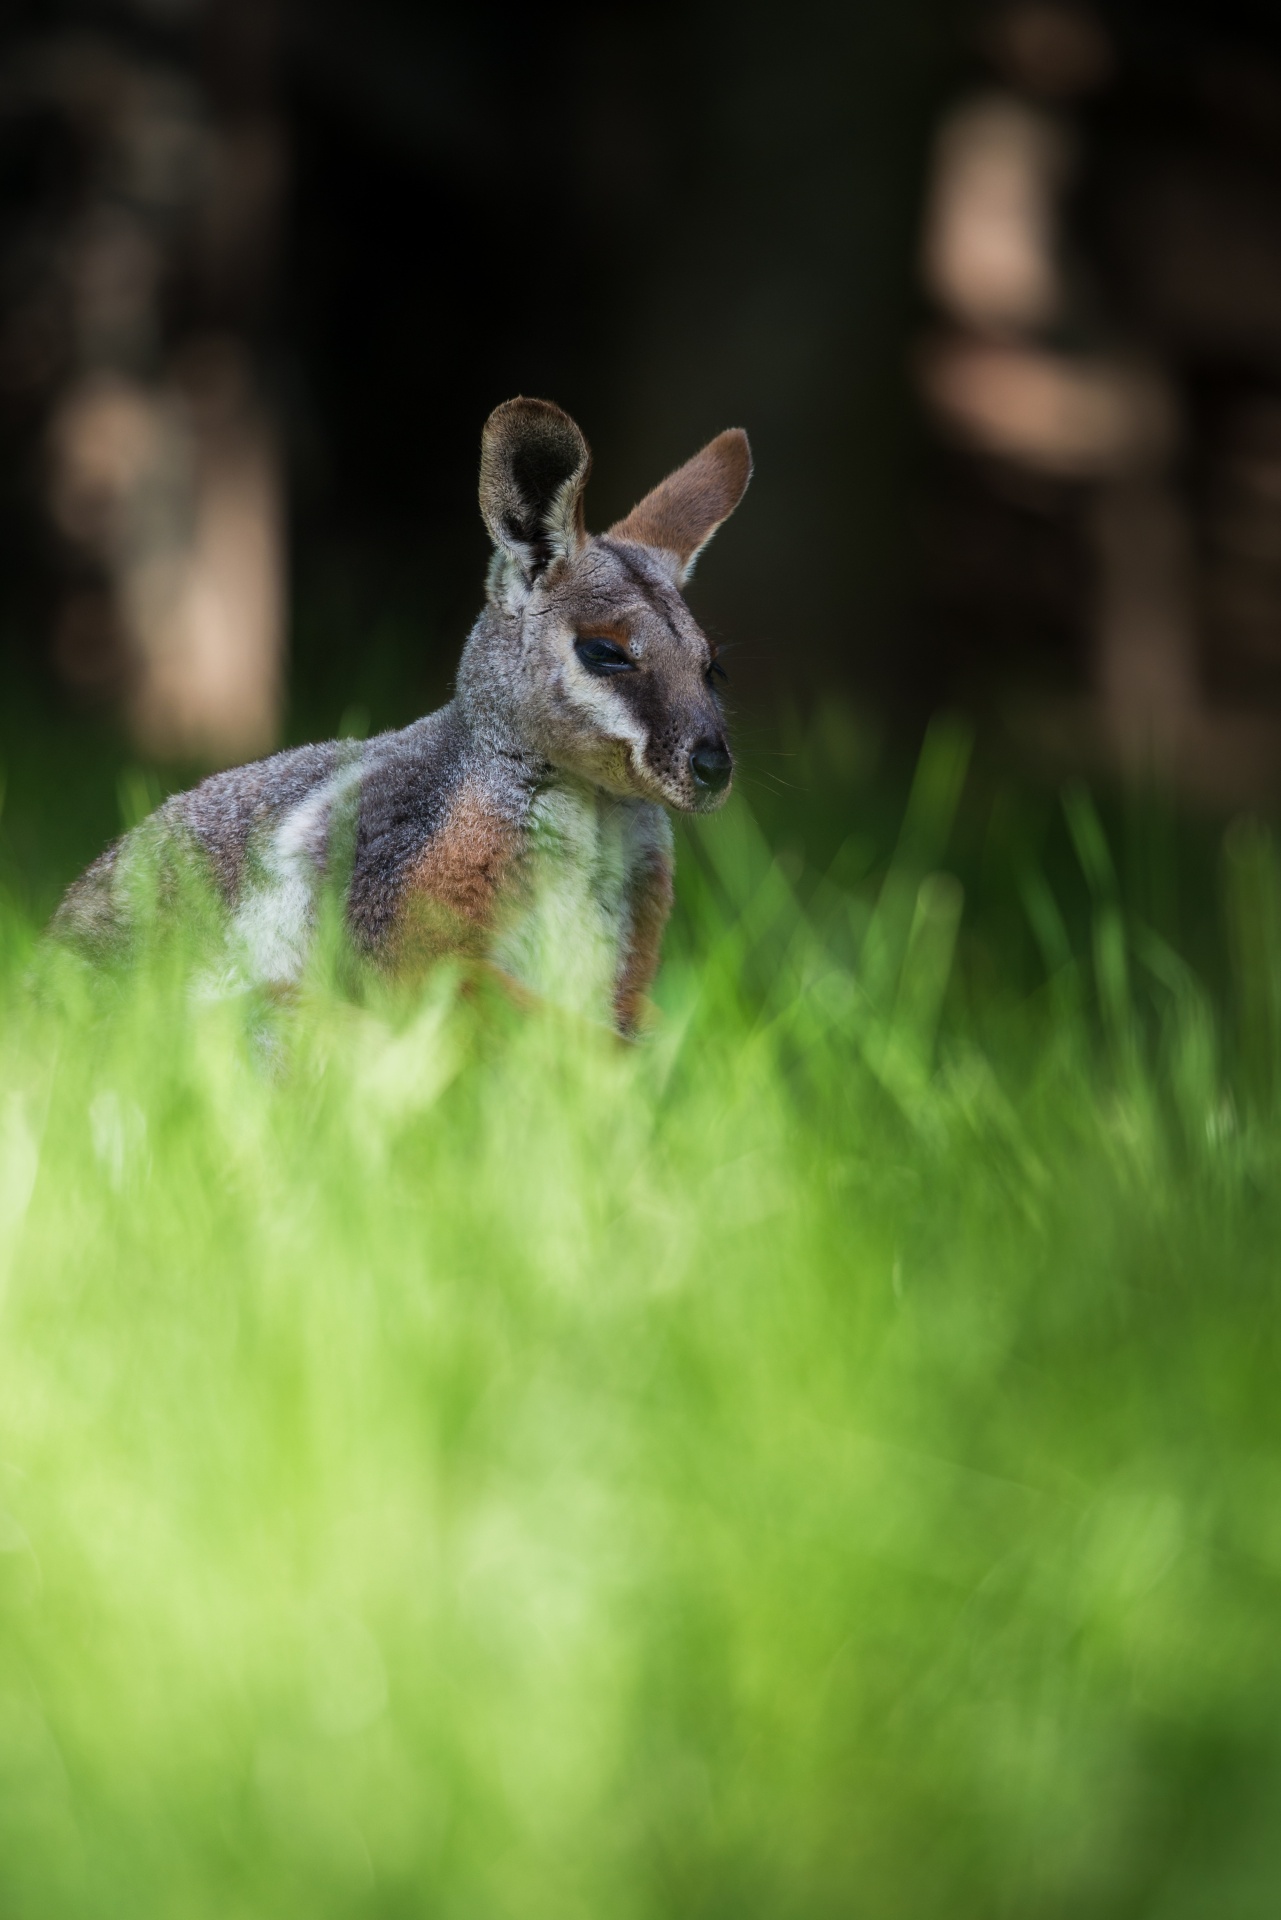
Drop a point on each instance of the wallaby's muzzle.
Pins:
(711, 764)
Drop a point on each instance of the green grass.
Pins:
(825, 1461)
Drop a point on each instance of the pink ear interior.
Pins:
(683, 511)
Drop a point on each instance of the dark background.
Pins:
(326, 237)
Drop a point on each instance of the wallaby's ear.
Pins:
(683, 512)
(533, 468)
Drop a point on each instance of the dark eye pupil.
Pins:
(602, 656)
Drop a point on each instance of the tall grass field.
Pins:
(824, 1461)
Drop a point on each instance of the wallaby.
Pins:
(524, 823)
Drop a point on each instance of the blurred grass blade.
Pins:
(936, 791)
(1252, 899)
(1112, 978)
(138, 795)
(931, 811)
(1046, 921)
(927, 964)
(1090, 842)
(1108, 940)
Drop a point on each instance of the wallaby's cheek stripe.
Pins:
(605, 704)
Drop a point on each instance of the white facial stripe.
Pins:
(591, 694)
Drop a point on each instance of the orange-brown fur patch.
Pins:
(650, 903)
(608, 629)
(449, 894)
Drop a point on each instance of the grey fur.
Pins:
(462, 795)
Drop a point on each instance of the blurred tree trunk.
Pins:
(1103, 246)
(139, 327)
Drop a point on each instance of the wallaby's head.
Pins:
(586, 646)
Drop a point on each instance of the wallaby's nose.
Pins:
(711, 765)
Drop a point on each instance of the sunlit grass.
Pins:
(825, 1461)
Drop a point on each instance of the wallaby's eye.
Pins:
(716, 672)
(602, 657)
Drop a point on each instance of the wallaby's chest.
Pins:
(566, 922)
